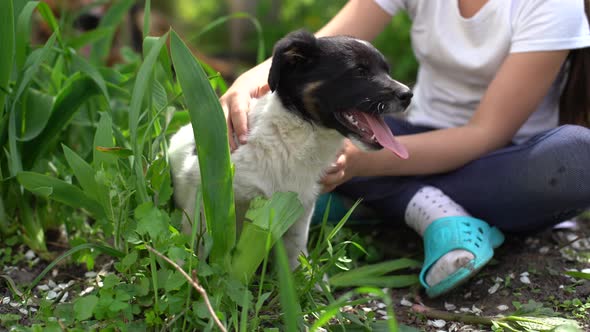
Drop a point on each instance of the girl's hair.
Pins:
(574, 104)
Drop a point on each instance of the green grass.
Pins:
(84, 150)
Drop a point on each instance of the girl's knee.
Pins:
(577, 136)
(570, 142)
(561, 160)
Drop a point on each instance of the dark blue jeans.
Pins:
(519, 188)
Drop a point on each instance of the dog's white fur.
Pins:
(284, 153)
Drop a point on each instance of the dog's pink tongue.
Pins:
(385, 136)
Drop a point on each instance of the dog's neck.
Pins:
(275, 127)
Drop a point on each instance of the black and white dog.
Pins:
(323, 90)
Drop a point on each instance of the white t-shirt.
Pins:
(459, 56)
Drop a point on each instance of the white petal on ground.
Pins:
(450, 306)
(43, 287)
(51, 295)
(525, 280)
(543, 250)
(29, 255)
(438, 323)
(502, 307)
(493, 289)
(405, 302)
(90, 274)
(476, 310)
(6, 300)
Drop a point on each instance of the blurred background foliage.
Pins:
(236, 41)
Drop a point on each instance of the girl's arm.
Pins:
(362, 19)
(513, 95)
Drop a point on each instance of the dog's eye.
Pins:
(362, 70)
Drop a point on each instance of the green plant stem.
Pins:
(193, 281)
(154, 280)
(450, 316)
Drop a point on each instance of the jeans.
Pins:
(519, 188)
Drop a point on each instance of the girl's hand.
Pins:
(343, 169)
(236, 102)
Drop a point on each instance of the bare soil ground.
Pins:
(524, 268)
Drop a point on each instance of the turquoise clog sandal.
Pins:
(452, 233)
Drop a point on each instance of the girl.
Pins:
(496, 80)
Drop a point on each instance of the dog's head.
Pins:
(340, 83)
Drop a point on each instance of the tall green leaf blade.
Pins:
(159, 97)
(103, 138)
(240, 15)
(58, 73)
(147, 12)
(49, 18)
(4, 223)
(276, 216)
(291, 309)
(61, 191)
(83, 172)
(7, 54)
(34, 235)
(36, 111)
(88, 37)
(75, 92)
(163, 59)
(113, 17)
(82, 65)
(23, 32)
(18, 7)
(32, 64)
(142, 84)
(358, 276)
(393, 281)
(210, 132)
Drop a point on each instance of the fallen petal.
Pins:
(450, 306)
(493, 289)
(405, 302)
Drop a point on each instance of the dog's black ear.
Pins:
(298, 47)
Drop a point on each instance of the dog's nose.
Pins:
(404, 96)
